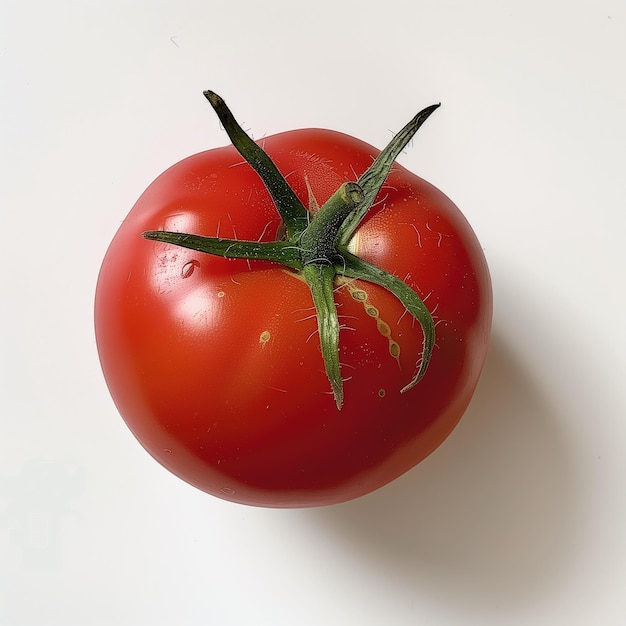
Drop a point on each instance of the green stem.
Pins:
(291, 210)
(281, 252)
(373, 179)
(358, 268)
(319, 240)
(320, 279)
(316, 245)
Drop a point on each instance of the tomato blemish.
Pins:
(189, 268)
(360, 295)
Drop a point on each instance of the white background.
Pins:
(520, 517)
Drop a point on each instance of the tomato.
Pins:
(216, 364)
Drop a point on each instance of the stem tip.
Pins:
(213, 98)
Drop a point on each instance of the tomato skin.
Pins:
(215, 363)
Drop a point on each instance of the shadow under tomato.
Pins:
(492, 517)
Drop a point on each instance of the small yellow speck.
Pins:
(381, 393)
(220, 294)
(383, 328)
(394, 349)
(265, 337)
(359, 295)
(372, 311)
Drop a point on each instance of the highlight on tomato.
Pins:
(295, 321)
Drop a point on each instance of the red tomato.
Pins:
(215, 363)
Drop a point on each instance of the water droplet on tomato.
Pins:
(189, 268)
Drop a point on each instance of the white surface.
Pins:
(519, 518)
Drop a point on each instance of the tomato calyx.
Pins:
(317, 245)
